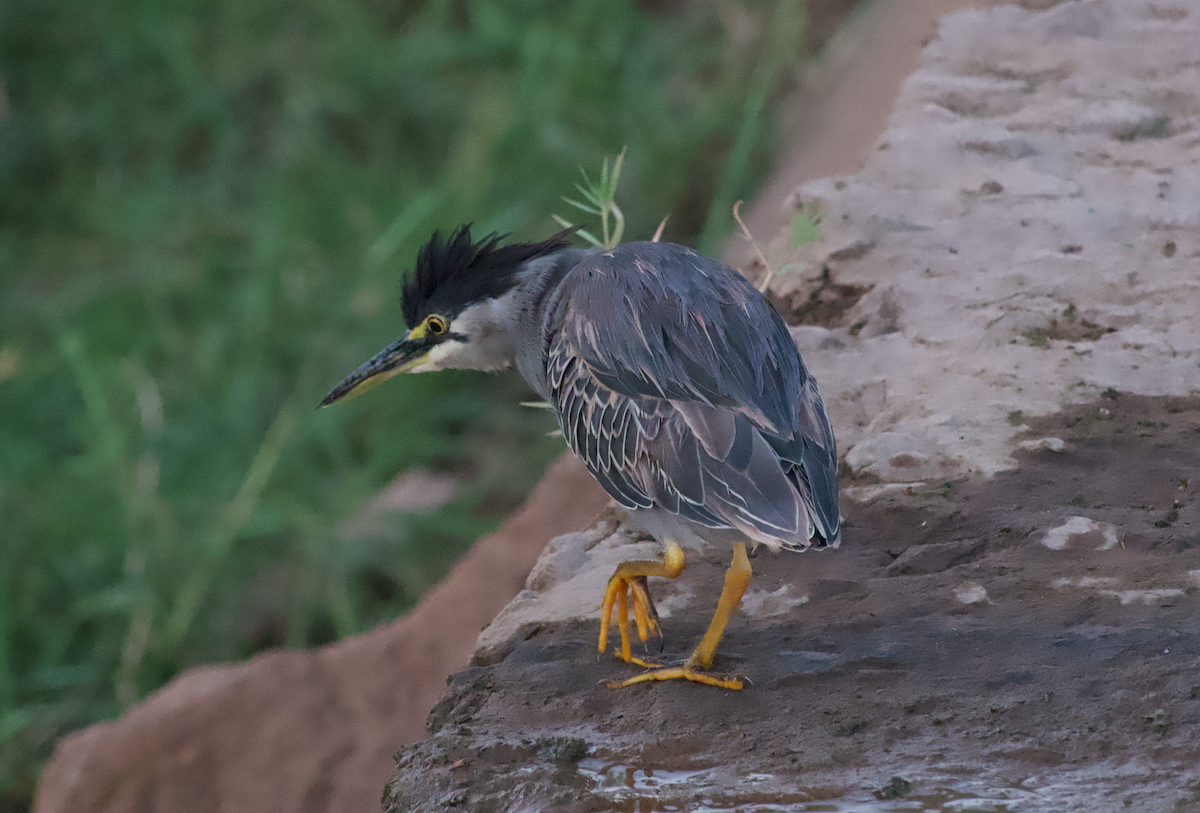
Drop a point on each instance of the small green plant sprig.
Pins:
(599, 199)
(806, 228)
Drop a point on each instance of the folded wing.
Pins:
(697, 401)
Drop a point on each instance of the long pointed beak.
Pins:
(398, 357)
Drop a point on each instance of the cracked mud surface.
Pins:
(956, 653)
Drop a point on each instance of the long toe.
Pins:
(644, 611)
(685, 672)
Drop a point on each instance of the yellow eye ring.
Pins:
(436, 325)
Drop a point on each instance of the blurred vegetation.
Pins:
(206, 207)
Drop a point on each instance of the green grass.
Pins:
(206, 207)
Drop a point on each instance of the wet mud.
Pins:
(1030, 642)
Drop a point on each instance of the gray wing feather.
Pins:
(724, 427)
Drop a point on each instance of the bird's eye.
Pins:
(436, 325)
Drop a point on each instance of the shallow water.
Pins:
(633, 789)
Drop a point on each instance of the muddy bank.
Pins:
(971, 638)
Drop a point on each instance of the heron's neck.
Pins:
(534, 294)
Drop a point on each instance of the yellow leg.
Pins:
(737, 579)
(630, 580)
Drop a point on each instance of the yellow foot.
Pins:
(685, 672)
(642, 662)
(616, 598)
(630, 581)
(695, 668)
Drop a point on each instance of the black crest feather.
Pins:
(451, 273)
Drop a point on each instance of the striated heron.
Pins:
(672, 378)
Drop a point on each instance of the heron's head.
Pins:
(457, 305)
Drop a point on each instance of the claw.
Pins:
(644, 612)
(616, 600)
(629, 580)
(695, 669)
